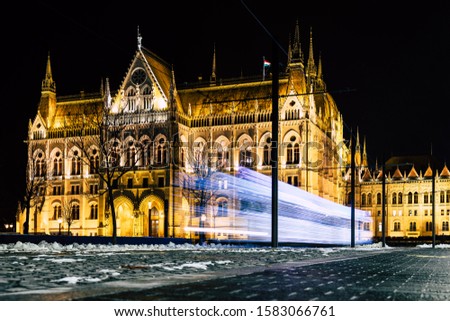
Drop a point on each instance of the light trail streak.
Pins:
(302, 217)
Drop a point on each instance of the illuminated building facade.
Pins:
(408, 190)
(170, 132)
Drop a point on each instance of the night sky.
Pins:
(388, 72)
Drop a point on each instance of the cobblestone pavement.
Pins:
(401, 275)
(225, 273)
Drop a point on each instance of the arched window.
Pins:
(416, 197)
(147, 98)
(131, 98)
(75, 211)
(412, 226)
(94, 211)
(246, 158)
(425, 198)
(57, 164)
(222, 156)
(76, 164)
(394, 198)
(222, 208)
(57, 212)
(39, 165)
(289, 154)
(397, 227)
(296, 153)
(161, 152)
(94, 162)
(410, 197)
(363, 199)
(369, 199)
(131, 156)
(378, 198)
(400, 198)
(442, 197)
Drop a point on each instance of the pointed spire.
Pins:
(311, 67)
(357, 149)
(296, 50)
(48, 84)
(213, 73)
(107, 96)
(139, 39)
(365, 163)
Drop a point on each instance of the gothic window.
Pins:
(93, 189)
(410, 195)
(397, 227)
(369, 199)
(57, 164)
(416, 197)
(363, 200)
(400, 198)
(222, 208)
(131, 156)
(40, 165)
(76, 164)
(57, 212)
(425, 198)
(246, 158)
(412, 226)
(147, 98)
(160, 146)
(428, 226)
(394, 198)
(296, 153)
(114, 158)
(222, 156)
(442, 197)
(131, 98)
(290, 154)
(94, 162)
(75, 211)
(94, 212)
(378, 198)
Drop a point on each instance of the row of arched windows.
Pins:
(73, 212)
(411, 198)
(413, 226)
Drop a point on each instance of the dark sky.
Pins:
(388, 72)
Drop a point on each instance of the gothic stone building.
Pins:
(165, 130)
(411, 200)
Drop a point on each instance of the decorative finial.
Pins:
(139, 38)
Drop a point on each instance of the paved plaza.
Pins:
(225, 273)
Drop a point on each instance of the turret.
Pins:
(47, 104)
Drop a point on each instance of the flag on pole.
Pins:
(266, 64)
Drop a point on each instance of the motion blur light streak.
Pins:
(302, 217)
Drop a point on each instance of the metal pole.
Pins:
(383, 205)
(433, 212)
(352, 191)
(274, 150)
